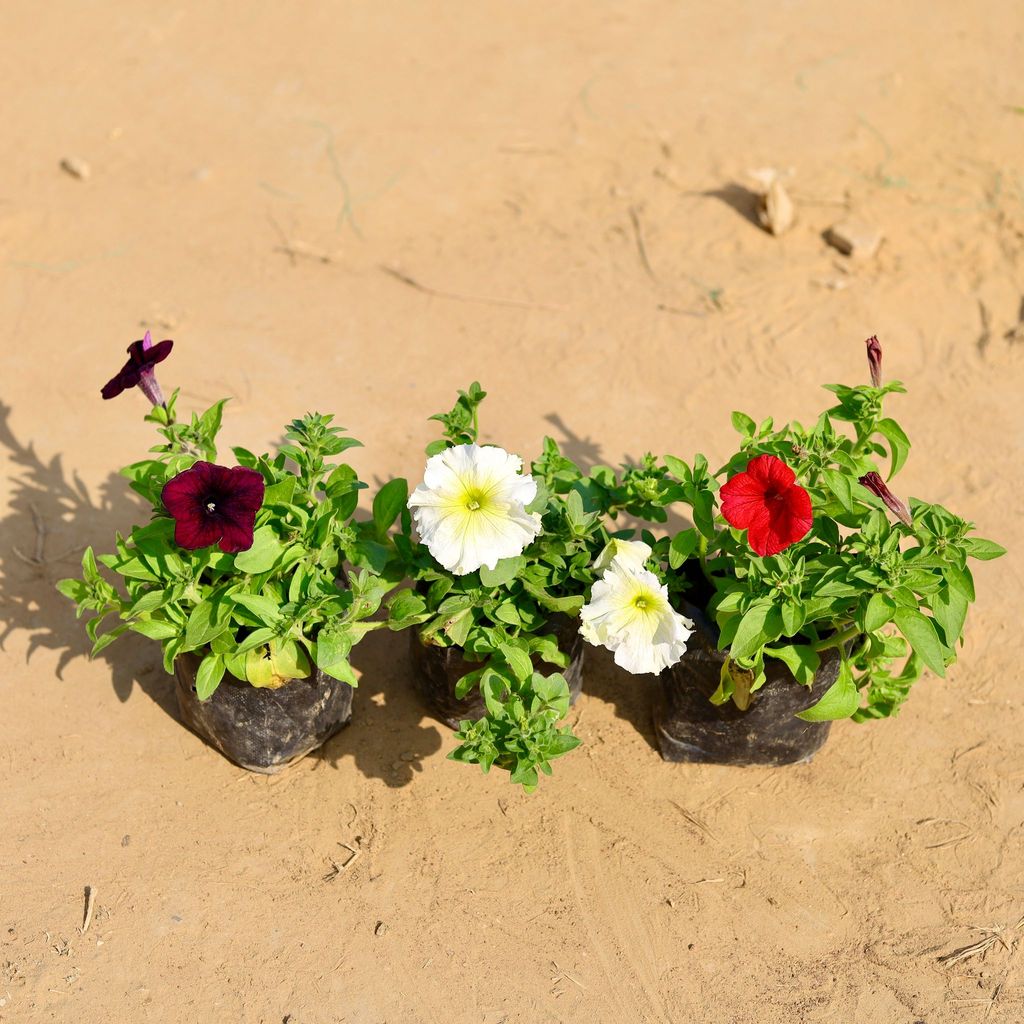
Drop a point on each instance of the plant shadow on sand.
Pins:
(389, 735)
(51, 518)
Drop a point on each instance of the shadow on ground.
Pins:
(390, 734)
(52, 517)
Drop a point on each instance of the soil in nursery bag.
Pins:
(437, 671)
(690, 728)
(262, 729)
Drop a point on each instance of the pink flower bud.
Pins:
(875, 360)
(876, 485)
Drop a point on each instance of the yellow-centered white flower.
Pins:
(630, 554)
(629, 613)
(470, 510)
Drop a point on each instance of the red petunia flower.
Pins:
(139, 371)
(213, 503)
(767, 502)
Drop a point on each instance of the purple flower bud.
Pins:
(875, 360)
(139, 371)
(876, 485)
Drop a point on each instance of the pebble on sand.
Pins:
(76, 168)
(854, 238)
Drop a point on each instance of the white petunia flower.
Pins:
(630, 554)
(629, 613)
(470, 509)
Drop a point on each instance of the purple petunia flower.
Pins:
(876, 485)
(139, 370)
(212, 504)
(875, 361)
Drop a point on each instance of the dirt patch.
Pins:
(360, 208)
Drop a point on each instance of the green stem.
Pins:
(702, 554)
(839, 638)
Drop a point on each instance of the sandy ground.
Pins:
(256, 173)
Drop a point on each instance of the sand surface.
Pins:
(358, 208)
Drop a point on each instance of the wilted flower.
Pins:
(876, 485)
(875, 360)
(213, 504)
(470, 510)
(629, 613)
(631, 554)
(139, 370)
(767, 502)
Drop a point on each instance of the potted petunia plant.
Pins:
(501, 562)
(256, 579)
(804, 592)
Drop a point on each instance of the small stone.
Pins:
(854, 238)
(380, 928)
(775, 210)
(126, 841)
(408, 756)
(76, 168)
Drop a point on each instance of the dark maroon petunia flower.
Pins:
(768, 503)
(139, 371)
(875, 361)
(213, 503)
(876, 485)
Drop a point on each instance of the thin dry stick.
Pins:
(336, 868)
(694, 820)
(641, 249)
(90, 899)
(990, 938)
(401, 275)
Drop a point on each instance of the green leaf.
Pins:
(265, 609)
(518, 661)
(457, 627)
(260, 557)
(949, 607)
(388, 503)
(332, 651)
(899, 444)
(879, 610)
(982, 549)
(743, 424)
(73, 590)
(840, 486)
(280, 493)
(155, 629)
(840, 700)
(920, 632)
(801, 659)
(683, 545)
(211, 672)
(208, 619)
(504, 572)
(750, 634)
(678, 468)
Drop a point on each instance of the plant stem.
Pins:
(838, 639)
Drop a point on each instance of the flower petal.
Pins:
(247, 488)
(742, 498)
(195, 531)
(771, 472)
(237, 532)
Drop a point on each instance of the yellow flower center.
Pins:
(475, 499)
